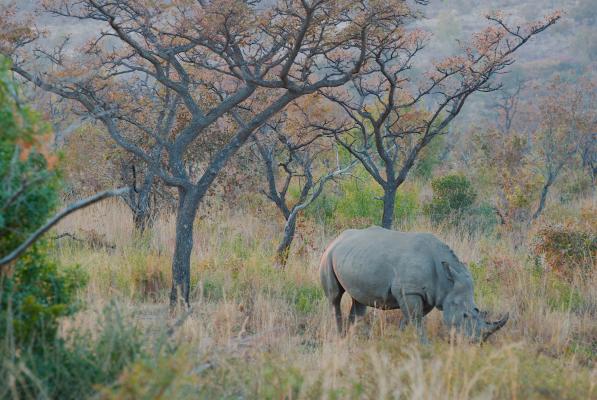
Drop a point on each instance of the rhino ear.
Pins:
(449, 271)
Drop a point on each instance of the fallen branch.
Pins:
(68, 235)
(56, 218)
(94, 242)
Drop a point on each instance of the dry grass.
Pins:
(259, 333)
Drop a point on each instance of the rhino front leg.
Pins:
(412, 311)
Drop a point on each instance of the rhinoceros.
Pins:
(415, 272)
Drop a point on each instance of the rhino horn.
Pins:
(493, 327)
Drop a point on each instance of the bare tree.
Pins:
(393, 113)
(527, 148)
(307, 165)
(566, 120)
(205, 59)
(507, 106)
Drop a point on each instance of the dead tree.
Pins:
(205, 59)
(392, 113)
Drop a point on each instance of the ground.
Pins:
(255, 332)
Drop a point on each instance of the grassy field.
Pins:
(260, 333)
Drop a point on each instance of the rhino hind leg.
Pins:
(357, 310)
(338, 313)
(333, 291)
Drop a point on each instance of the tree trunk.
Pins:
(181, 262)
(142, 219)
(139, 197)
(284, 247)
(544, 192)
(142, 212)
(389, 200)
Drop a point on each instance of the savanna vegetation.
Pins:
(244, 136)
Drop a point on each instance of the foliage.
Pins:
(453, 195)
(35, 294)
(28, 181)
(566, 248)
(92, 162)
(356, 202)
(533, 142)
(359, 201)
(504, 160)
(429, 159)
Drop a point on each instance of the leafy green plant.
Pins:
(34, 293)
(28, 183)
(35, 296)
(453, 195)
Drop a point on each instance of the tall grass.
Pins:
(255, 332)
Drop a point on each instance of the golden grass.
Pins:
(259, 333)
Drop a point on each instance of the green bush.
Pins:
(33, 294)
(34, 291)
(453, 195)
(28, 187)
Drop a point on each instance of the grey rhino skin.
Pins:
(415, 272)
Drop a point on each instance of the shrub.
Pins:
(566, 248)
(34, 294)
(452, 196)
(28, 183)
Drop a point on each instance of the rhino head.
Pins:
(459, 309)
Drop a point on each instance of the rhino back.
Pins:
(370, 261)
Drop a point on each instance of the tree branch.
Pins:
(56, 218)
